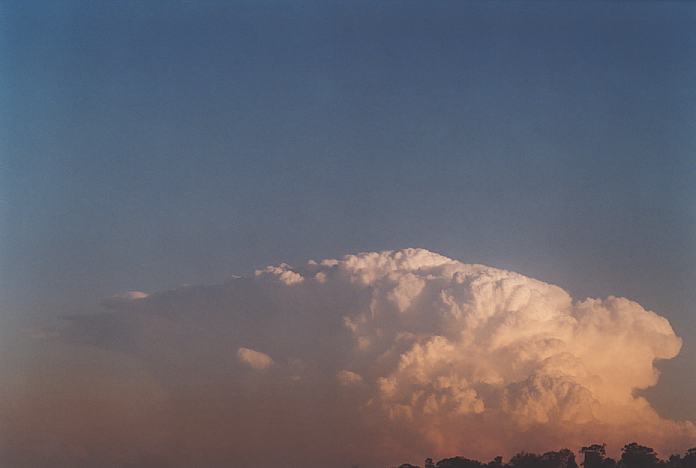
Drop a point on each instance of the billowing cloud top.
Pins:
(401, 354)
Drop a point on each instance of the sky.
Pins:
(149, 145)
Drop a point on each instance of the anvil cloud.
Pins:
(372, 358)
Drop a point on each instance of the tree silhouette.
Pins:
(594, 454)
(564, 458)
(526, 460)
(595, 457)
(459, 462)
(689, 460)
(634, 455)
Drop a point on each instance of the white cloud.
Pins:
(447, 355)
(122, 299)
(254, 359)
(282, 273)
(348, 378)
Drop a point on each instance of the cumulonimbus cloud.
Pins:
(404, 354)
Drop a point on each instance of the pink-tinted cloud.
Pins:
(401, 354)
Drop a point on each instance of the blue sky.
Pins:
(148, 144)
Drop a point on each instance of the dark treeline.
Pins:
(633, 455)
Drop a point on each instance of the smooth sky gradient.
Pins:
(144, 145)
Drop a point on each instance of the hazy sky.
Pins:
(144, 145)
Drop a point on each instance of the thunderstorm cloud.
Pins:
(376, 358)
